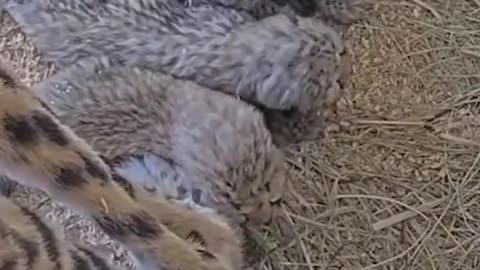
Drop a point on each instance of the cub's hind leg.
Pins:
(210, 231)
(202, 226)
(38, 151)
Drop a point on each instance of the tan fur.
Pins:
(38, 151)
(16, 229)
(219, 238)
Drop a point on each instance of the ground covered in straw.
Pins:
(395, 185)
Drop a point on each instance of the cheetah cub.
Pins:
(37, 150)
(219, 145)
(275, 62)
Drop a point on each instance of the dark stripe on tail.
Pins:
(29, 247)
(124, 184)
(140, 224)
(70, 177)
(79, 263)
(48, 237)
(49, 128)
(196, 237)
(20, 129)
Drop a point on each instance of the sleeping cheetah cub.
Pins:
(288, 67)
(219, 145)
(37, 150)
(275, 62)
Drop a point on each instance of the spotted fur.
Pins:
(37, 150)
(279, 62)
(220, 146)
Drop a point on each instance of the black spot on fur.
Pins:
(276, 202)
(236, 205)
(94, 169)
(70, 178)
(196, 237)
(50, 129)
(268, 186)
(196, 195)
(29, 247)
(226, 195)
(7, 186)
(125, 184)
(140, 224)
(98, 262)
(206, 255)
(48, 237)
(19, 129)
(340, 84)
(79, 263)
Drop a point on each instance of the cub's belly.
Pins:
(162, 179)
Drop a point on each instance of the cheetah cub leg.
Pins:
(38, 151)
(202, 226)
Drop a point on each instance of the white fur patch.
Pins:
(156, 174)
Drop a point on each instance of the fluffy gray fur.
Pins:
(220, 145)
(270, 62)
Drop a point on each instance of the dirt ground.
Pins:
(395, 185)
